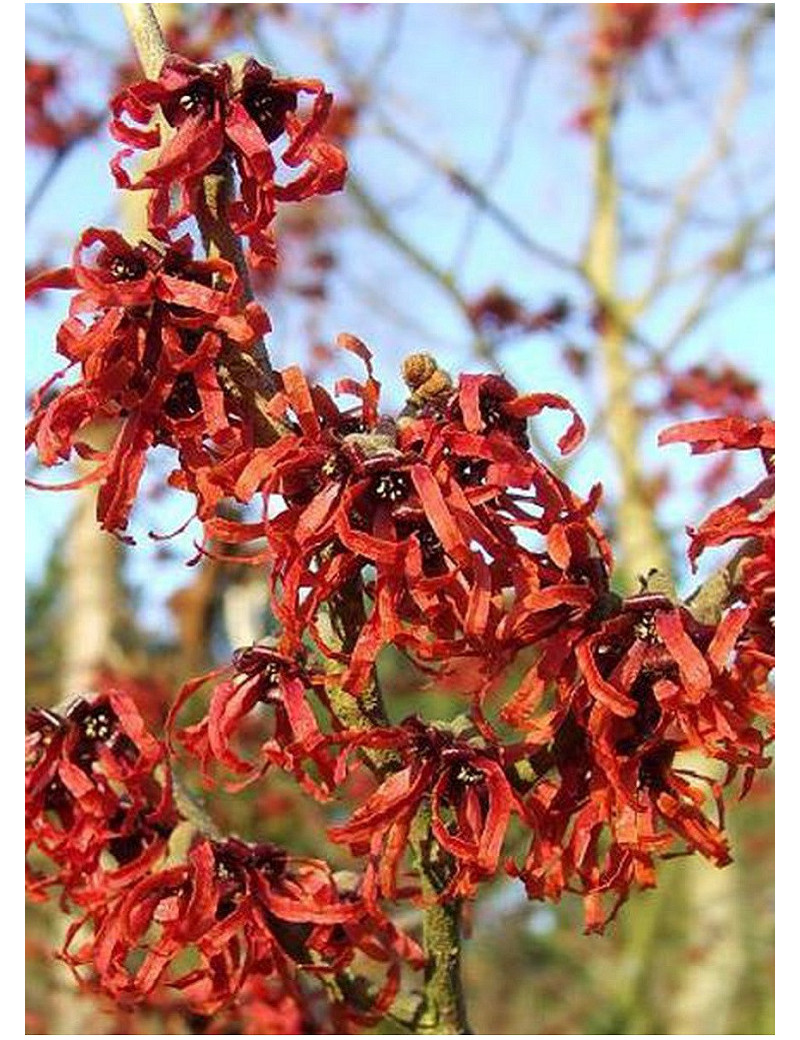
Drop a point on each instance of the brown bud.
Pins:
(439, 383)
(418, 369)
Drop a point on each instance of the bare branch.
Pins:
(718, 149)
(708, 601)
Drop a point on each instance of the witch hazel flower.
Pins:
(98, 799)
(748, 519)
(232, 912)
(588, 840)
(417, 508)
(148, 332)
(234, 733)
(461, 778)
(219, 111)
(606, 718)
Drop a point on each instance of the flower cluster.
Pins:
(220, 112)
(467, 553)
(149, 333)
(93, 791)
(101, 818)
(424, 515)
(610, 790)
(418, 510)
(245, 912)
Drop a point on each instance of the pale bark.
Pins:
(705, 900)
(91, 594)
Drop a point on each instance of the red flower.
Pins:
(91, 789)
(588, 840)
(242, 911)
(260, 678)
(422, 502)
(216, 111)
(650, 682)
(148, 357)
(750, 516)
(470, 797)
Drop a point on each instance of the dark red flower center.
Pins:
(190, 340)
(391, 487)
(184, 400)
(127, 268)
(472, 472)
(468, 775)
(259, 660)
(494, 418)
(350, 424)
(99, 724)
(269, 108)
(197, 98)
(653, 768)
(432, 548)
(645, 629)
(271, 675)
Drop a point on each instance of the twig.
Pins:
(443, 1010)
(718, 149)
(145, 32)
(247, 377)
(708, 601)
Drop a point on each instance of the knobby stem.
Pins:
(443, 1009)
(710, 600)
